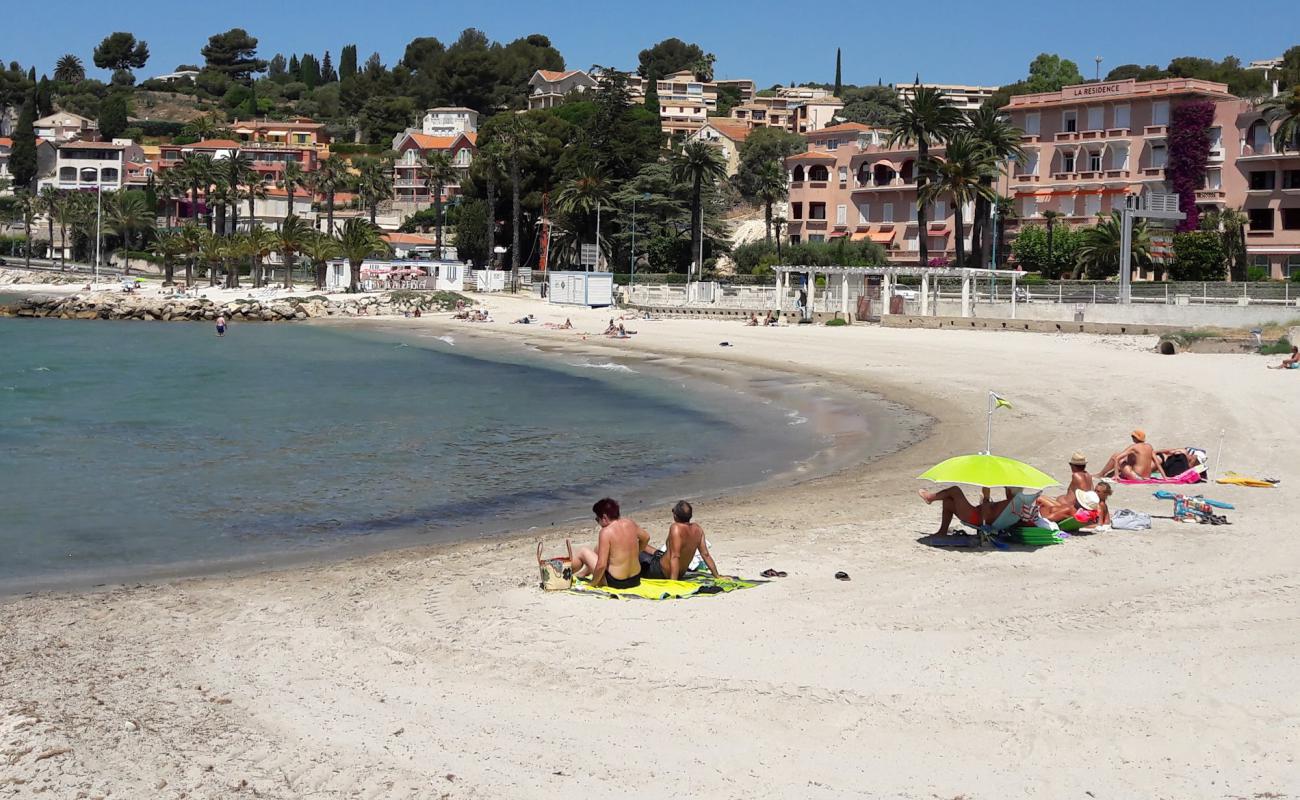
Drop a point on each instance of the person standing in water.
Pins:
(221, 325)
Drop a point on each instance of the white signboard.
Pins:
(589, 255)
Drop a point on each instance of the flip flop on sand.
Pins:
(772, 573)
(842, 576)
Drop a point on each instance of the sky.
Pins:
(989, 42)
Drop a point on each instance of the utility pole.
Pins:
(632, 280)
(597, 236)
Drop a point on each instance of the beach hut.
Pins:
(591, 289)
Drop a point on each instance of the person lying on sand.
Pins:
(615, 560)
(685, 538)
(527, 319)
(954, 504)
(1291, 362)
(1136, 462)
(1173, 463)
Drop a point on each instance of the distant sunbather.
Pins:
(1291, 362)
(1135, 462)
(685, 538)
(954, 504)
(615, 560)
(753, 321)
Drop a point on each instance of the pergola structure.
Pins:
(889, 276)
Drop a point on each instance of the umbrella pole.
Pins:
(988, 435)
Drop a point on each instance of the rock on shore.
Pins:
(112, 305)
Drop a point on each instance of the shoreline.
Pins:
(1152, 664)
(830, 457)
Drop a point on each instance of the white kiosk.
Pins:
(591, 289)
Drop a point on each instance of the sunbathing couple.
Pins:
(617, 331)
(623, 554)
(1084, 501)
(753, 322)
(1140, 461)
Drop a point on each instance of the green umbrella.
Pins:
(989, 472)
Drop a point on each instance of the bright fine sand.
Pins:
(1159, 664)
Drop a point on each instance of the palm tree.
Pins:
(967, 162)
(171, 186)
(211, 252)
(27, 207)
(770, 187)
(582, 196)
(66, 214)
(291, 178)
(376, 184)
(69, 69)
(289, 241)
(128, 216)
(437, 172)
(1284, 111)
(994, 129)
(512, 143)
(193, 235)
(696, 163)
(927, 117)
(320, 248)
(1099, 247)
(261, 243)
(50, 201)
(169, 245)
(359, 240)
(199, 171)
(325, 181)
(236, 171)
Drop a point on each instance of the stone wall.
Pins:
(105, 305)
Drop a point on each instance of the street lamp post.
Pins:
(99, 223)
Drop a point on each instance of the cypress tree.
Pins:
(839, 85)
(295, 69)
(327, 70)
(31, 75)
(44, 102)
(348, 62)
(22, 157)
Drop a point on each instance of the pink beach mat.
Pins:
(1190, 476)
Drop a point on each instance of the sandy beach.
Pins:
(1155, 664)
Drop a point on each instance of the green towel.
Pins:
(691, 585)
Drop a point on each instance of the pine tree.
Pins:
(348, 62)
(839, 84)
(327, 70)
(22, 157)
(310, 71)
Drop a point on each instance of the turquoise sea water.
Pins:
(127, 448)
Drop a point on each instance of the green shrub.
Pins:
(1256, 274)
(1279, 348)
(836, 323)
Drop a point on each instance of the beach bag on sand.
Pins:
(557, 572)
(1129, 520)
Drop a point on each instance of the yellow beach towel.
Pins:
(692, 586)
(1234, 479)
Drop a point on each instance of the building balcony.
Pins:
(1086, 135)
(1117, 133)
(1090, 176)
(1027, 178)
(1066, 136)
(817, 184)
(1064, 176)
(815, 224)
(1155, 130)
(408, 184)
(1211, 196)
(1029, 138)
(1153, 172)
(1116, 173)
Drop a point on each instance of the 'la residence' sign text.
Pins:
(1096, 89)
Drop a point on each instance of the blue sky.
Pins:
(765, 40)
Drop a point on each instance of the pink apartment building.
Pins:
(849, 183)
(1088, 148)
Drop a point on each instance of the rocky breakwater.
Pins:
(18, 277)
(107, 305)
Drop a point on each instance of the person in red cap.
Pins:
(1136, 462)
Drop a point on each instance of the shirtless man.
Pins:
(1135, 462)
(684, 539)
(953, 503)
(1290, 362)
(614, 561)
(1067, 504)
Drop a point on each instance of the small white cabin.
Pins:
(591, 289)
(381, 275)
